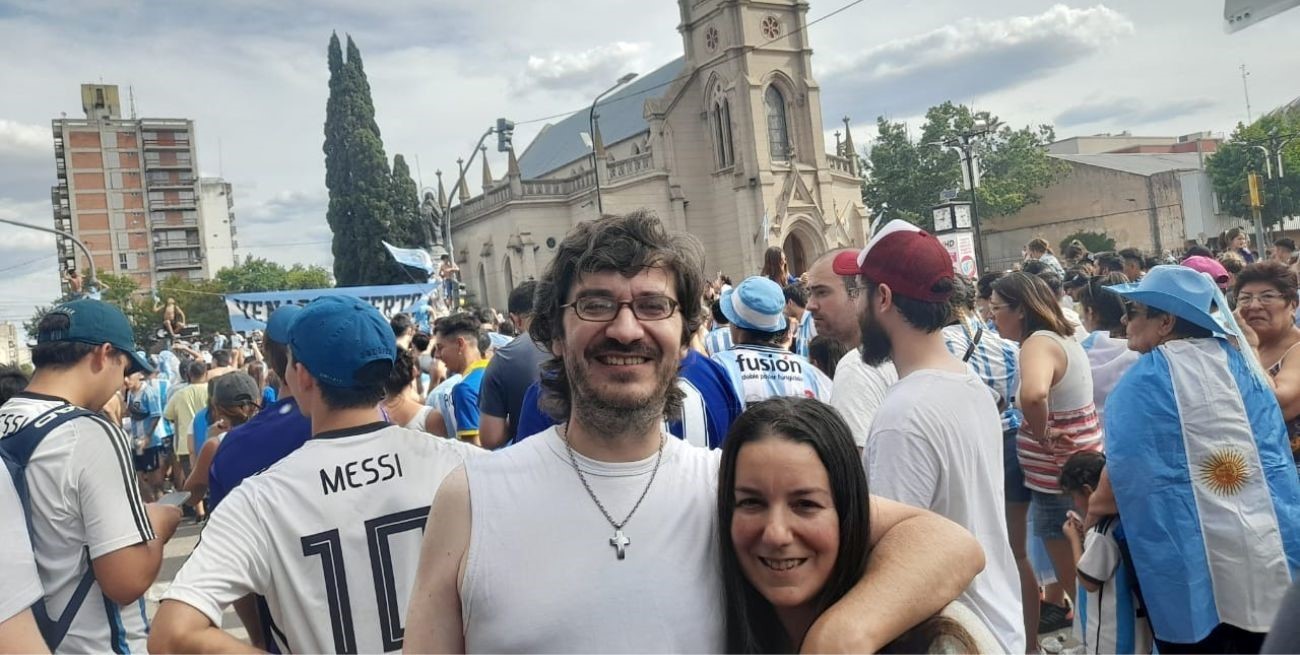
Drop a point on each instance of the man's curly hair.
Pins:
(627, 244)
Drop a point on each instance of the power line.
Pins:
(30, 261)
(688, 75)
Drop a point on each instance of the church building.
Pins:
(725, 143)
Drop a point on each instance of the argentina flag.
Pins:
(1199, 460)
(413, 257)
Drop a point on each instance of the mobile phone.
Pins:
(175, 498)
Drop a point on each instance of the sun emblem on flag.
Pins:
(1225, 471)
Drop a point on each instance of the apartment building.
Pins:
(128, 189)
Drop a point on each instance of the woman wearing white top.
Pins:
(1056, 398)
(1102, 312)
(401, 404)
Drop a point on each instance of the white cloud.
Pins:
(1130, 111)
(22, 139)
(968, 58)
(583, 70)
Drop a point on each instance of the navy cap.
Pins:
(277, 325)
(96, 322)
(336, 336)
(756, 304)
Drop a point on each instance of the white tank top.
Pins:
(1074, 390)
(417, 422)
(541, 575)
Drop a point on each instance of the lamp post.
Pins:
(89, 260)
(962, 144)
(591, 125)
(1272, 155)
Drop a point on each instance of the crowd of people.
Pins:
(875, 454)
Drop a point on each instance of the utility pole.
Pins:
(1245, 89)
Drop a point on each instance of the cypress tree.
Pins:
(356, 173)
(408, 230)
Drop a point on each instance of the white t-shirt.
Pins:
(17, 566)
(330, 535)
(936, 443)
(858, 390)
(541, 575)
(85, 504)
(440, 398)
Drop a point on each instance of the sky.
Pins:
(252, 75)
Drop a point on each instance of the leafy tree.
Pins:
(200, 299)
(357, 175)
(1229, 166)
(1093, 241)
(907, 174)
(257, 274)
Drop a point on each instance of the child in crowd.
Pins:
(1114, 619)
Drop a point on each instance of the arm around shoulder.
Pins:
(434, 619)
(919, 562)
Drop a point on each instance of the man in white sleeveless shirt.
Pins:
(599, 535)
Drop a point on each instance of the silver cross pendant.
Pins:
(620, 542)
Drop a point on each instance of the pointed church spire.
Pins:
(849, 151)
(487, 172)
(464, 188)
(597, 145)
(442, 193)
(512, 164)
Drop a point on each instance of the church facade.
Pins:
(725, 143)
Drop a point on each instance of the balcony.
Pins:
(182, 182)
(176, 263)
(170, 244)
(157, 144)
(840, 164)
(152, 165)
(175, 204)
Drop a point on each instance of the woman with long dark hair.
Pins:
(1060, 419)
(794, 531)
(775, 267)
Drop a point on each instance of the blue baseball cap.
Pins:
(277, 325)
(96, 322)
(757, 303)
(335, 337)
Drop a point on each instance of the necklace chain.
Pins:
(617, 525)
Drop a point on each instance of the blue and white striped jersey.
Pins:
(440, 399)
(718, 340)
(761, 372)
(1111, 619)
(994, 360)
(804, 334)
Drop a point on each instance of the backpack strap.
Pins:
(16, 450)
(975, 341)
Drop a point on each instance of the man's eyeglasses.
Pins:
(1265, 299)
(598, 309)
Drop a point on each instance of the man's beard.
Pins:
(617, 414)
(876, 347)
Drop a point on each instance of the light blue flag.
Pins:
(413, 257)
(1199, 459)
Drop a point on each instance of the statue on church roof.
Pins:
(431, 219)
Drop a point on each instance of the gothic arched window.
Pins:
(721, 115)
(778, 135)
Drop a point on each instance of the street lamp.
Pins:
(591, 125)
(962, 144)
(89, 260)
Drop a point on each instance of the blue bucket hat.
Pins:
(335, 337)
(96, 322)
(1178, 290)
(757, 303)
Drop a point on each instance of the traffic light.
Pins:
(1252, 184)
(505, 132)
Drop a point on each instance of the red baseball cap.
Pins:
(905, 257)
